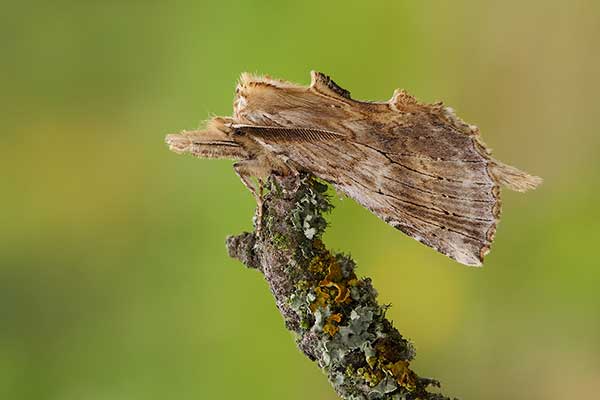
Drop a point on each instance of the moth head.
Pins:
(214, 141)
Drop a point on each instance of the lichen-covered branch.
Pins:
(334, 314)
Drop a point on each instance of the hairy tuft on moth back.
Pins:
(417, 166)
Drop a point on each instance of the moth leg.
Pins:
(261, 187)
(259, 204)
(245, 169)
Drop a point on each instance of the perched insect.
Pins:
(417, 166)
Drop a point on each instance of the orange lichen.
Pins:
(321, 301)
(326, 262)
(404, 375)
(371, 376)
(330, 326)
(335, 279)
(378, 368)
(333, 289)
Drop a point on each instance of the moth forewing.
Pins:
(417, 166)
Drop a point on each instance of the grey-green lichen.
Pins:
(334, 314)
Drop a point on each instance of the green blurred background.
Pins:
(114, 280)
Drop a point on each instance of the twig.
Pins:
(335, 316)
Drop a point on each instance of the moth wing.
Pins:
(445, 211)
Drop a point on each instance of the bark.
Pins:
(335, 315)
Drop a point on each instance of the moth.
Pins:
(416, 166)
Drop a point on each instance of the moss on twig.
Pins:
(334, 314)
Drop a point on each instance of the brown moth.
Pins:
(417, 166)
